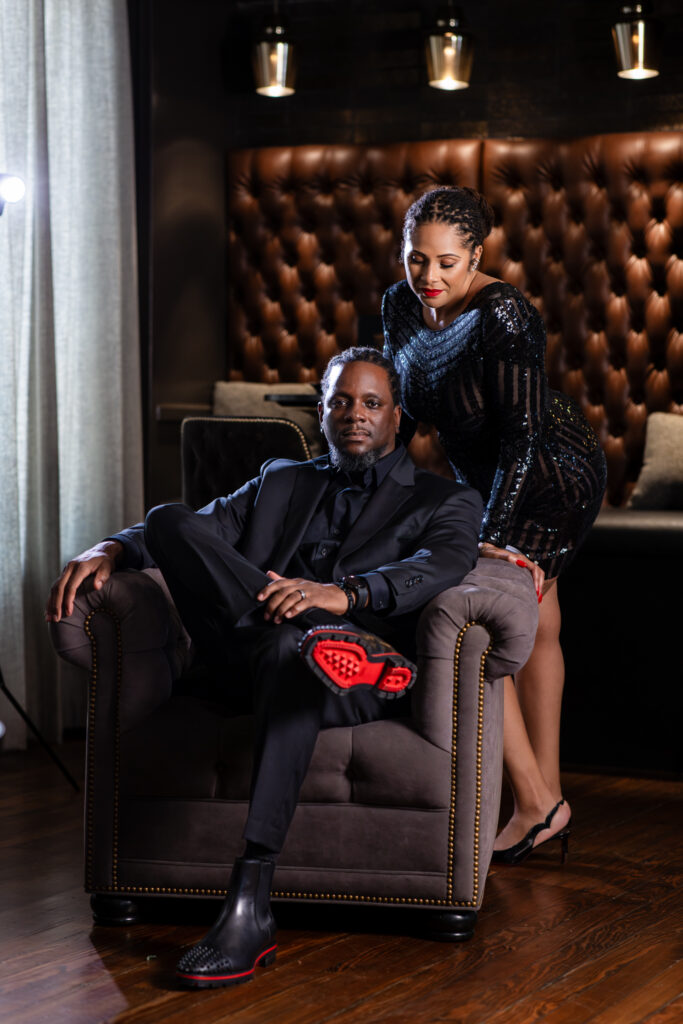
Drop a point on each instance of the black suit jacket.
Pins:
(418, 529)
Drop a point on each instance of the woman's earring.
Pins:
(475, 264)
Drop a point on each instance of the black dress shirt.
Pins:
(342, 502)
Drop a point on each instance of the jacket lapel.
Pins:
(311, 481)
(389, 496)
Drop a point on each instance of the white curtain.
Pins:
(70, 418)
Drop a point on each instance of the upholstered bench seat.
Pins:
(624, 531)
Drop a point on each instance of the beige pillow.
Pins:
(660, 484)
(239, 398)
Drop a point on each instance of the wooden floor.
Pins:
(596, 940)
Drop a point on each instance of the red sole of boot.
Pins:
(266, 958)
(345, 663)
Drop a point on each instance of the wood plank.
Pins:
(672, 1013)
(623, 962)
(597, 940)
(658, 991)
(492, 978)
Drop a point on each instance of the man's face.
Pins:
(358, 415)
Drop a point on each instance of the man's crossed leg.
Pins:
(214, 589)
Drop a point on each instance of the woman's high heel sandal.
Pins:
(521, 850)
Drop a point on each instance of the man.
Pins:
(296, 586)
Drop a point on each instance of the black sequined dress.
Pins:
(528, 450)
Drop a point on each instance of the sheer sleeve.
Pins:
(387, 323)
(516, 390)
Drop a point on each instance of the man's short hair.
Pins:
(363, 354)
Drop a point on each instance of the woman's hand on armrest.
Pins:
(487, 550)
(98, 561)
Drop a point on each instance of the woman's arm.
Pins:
(516, 390)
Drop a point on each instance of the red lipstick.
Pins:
(431, 293)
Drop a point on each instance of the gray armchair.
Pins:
(395, 813)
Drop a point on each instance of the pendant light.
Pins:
(273, 58)
(634, 42)
(450, 51)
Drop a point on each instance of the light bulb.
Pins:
(12, 188)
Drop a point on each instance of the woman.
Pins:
(469, 350)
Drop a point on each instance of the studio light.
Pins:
(273, 58)
(450, 51)
(634, 42)
(12, 189)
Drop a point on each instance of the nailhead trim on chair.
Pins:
(480, 758)
(90, 827)
(285, 894)
(259, 419)
(477, 804)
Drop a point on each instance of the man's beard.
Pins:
(351, 463)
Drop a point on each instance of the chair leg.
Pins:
(114, 910)
(450, 925)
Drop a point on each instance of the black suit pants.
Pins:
(214, 588)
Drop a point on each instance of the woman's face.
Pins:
(438, 264)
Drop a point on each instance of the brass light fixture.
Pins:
(634, 42)
(273, 58)
(450, 51)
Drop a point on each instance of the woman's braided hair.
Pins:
(464, 208)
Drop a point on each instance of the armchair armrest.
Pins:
(128, 635)
(469, 637)
(482, 629)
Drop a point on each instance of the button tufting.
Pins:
(595, 227)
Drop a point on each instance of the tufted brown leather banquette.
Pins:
(590, 229)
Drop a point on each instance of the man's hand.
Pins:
(99, 562)
(283, 597)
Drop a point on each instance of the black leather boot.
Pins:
(242, 937)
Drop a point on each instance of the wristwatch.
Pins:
(358, 585)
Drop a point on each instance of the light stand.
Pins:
(41, 739)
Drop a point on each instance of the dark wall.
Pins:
(541, 69)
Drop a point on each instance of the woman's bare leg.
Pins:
(539, 690)
(531, 731)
